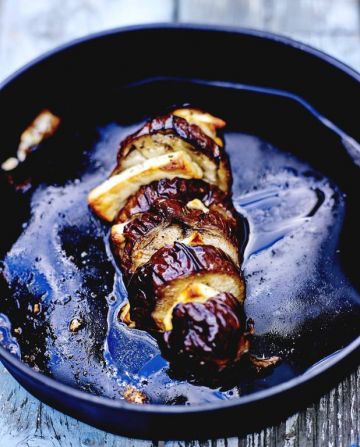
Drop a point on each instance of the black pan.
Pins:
(292, 138)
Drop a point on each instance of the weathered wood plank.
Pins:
(313, 16)
(288, 16)
(29, 28)
(334, 421)
(24, 421)
(247, 13)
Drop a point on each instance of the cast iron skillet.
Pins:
(291, 95)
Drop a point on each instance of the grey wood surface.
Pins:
(30, 27)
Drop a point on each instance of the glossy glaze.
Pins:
(296, 288)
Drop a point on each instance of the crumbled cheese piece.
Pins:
(36, 308)
(10, 164)
(135, 396)
(75, 325)
(124, 315)
(197, 204)
(43, 126)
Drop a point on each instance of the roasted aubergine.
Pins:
(179, 242)
(169, 221)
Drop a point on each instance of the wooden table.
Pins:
(30, 27)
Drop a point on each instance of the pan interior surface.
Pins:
(294, 179)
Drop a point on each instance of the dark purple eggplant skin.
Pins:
(165, 212)
(210, 336)
(177, 126)
(136, 229)
(180, 189)
(166, 265)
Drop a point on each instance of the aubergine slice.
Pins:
(174, 133)
(108, 198)
(211, 335)
(180, 273)
(208, 123)
(169, 221)
(184, 190)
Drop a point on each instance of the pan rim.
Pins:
(292, 384)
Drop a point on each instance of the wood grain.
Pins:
(28, 28)
(332, 421)
(25, 421)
